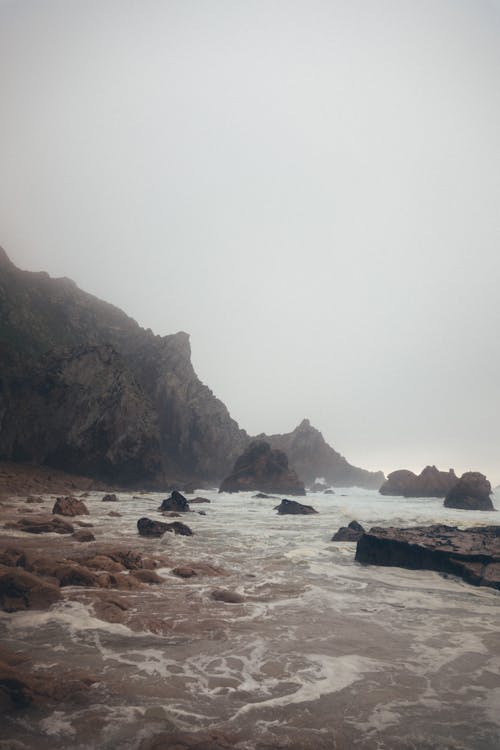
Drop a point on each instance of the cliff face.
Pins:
(84, 387)
(312, 457)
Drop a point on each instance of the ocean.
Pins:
(322, 652)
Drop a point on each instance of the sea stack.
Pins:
(263, 469)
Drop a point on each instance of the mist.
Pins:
(311, 190)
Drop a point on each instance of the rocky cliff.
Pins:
(312, 457)
(83, 387)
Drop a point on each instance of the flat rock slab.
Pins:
(473, 554)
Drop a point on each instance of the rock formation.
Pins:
(429, 483)
(350, 533)
(312, 457)
(293, 508)
(148, 527)
(265, 469)
(176, 503)
(471, 492)
(83, 387)
(472, 554)
(70, 506)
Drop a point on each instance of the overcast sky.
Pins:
(311, 189)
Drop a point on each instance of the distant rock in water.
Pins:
(264, 469)
(429, 483)
(312, 457)
(472, 554)
(70, 506)
(176, 503)
(471, 492)
(293, 508)
(148, 527)
(350, 533)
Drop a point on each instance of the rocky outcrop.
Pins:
(350, 533)
(471, 492)
(312, 457)
(293, 508)
(85, 388)
(148, 527)
(473, 554)
(41, 525)
(176, 503)
(22, 590)
(429, 483)
(70, 506)
(265, 469)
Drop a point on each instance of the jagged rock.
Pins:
(109, 498)
(229, 597)
(70, 506)
(176, 503)
(262, 468)
(429, 483)
(292, 507)
(312, 457)
(147, 527)
(42, 526)
(471, 492)
(350, 533)
(85, 388)
(22, 590)
(473, 554)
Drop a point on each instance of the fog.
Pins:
(310, 189)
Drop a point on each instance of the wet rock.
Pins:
(473, 554)
(22, 590)
(42, 525)
(227, 596)
(170, 514)
(198, 569)
(179, 528)
(67, 572)
(206, 740)
(19, 690)
(70, 506)
(103, 562)
(83, 536)
(292, 507)
(111, 609)
(147, 527)
(110, 498)
(147, 576)
(350, 533)
(114, 514)
(33, 499)
(202, 513)
(263, 496)
(200, 500)
(16, 691)
(13, 557)
(429, 483)
(471, 492)
(329, 492)
(176, 502)
(128, 558)
(264, 469)
(84, 524)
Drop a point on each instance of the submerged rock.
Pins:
(473, 554)
(265, 469)
(70, 506)
(429, 483)
(226, 596)
(471, 492)
(350, 533)
(200, 500)
(176, 503)
(22, 590)
(294, 508)
(42, 525)
(110, 498)
(83, 536)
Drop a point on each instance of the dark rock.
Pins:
(83, 536)
(176, 503)
(13, 557)
(350, 533)
(312, 457)
(473, 554)
(109, 498)
(179, 528)
(33, 499)
(147, 527)
(42, 525)
(429, 483)
(199, 500)
(201, 513)
(292, 507)
(198, 569)
(329, 492)
(471, 492)
(104, 562)
(229, 597)
(22, 590)
(263, 496)
(70, 506)
(264, 469)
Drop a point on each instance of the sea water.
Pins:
(322, 653)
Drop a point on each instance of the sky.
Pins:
(310, 189)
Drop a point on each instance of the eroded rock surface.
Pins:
(473, 554)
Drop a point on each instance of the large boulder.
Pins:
(429, 483)
(473, 554)
(265, 469)
(471, 492)
(176, 503)
(22, 590)
(70, 506)
(350, 533)
(292, 507)
(148, 527)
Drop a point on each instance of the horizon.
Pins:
(312, 192)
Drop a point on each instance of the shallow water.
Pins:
(323, 653)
